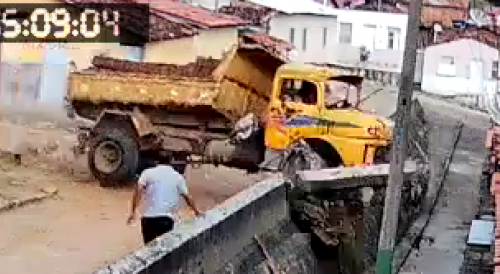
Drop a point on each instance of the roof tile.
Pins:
(160, 27)
(195, 15)
(484, 36)
(272, 44)
(253, 13)
(442, 15)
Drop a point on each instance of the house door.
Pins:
(476, 77)
(55, 75)
(369, 37)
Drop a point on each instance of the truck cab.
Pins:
(313, 104)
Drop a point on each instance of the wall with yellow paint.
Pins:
(80, 53)
(178, 51)
(210, 43)
(213, 42)
(83, 53)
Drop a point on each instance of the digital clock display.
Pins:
(74, 23)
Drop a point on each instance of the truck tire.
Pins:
(309, 160)
(114, 156)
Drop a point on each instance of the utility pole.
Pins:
(398, 152)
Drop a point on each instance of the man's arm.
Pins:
(192, 204)
(136, 198)
(183, 190)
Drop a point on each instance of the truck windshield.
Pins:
(340, 95)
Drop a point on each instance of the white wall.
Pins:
(381, 57)
(210, 4)
(464, 52)
(315, 51)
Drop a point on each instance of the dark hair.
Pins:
(163, 158)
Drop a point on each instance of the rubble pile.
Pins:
(256, 14)
(273, 45)
(201, 68)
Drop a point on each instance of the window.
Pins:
(292, 36)
(393, 38)
(134, 53)
(369, 36)
(304, 39)
(325, 37)
(494, 70)
(446, 66)
(345, 34)
(298, 91)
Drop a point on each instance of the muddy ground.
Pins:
(82, 226)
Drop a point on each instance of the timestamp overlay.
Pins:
(75, 23)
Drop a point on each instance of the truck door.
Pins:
(293, 113)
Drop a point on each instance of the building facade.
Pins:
(382, 34)
(312, 36)
(460, 67)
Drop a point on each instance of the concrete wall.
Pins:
(315, 51)
(461, 81)
(381, 57)
(222, 241)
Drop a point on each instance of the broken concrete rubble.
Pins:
(202, 67)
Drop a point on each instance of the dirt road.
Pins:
(83, 227)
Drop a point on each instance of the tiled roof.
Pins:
(160, 27)
(195, 15)
(482, 35)
(444, 13)
(255, 14)
(273, 45)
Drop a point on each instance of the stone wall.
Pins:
(223, 241)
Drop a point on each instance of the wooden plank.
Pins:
(349, 177)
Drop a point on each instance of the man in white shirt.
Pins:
(161, 187)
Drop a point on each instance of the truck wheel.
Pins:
(299, 161)
(114, 157)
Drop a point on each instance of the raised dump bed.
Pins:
(232, 88)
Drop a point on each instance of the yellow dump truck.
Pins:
(251, 111)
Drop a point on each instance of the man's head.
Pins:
(164, 159)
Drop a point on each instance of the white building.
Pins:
(309, 26)
(209, 4)
(323, 34)
(465, 66)
(382, 34)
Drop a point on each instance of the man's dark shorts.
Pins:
(153, 227)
